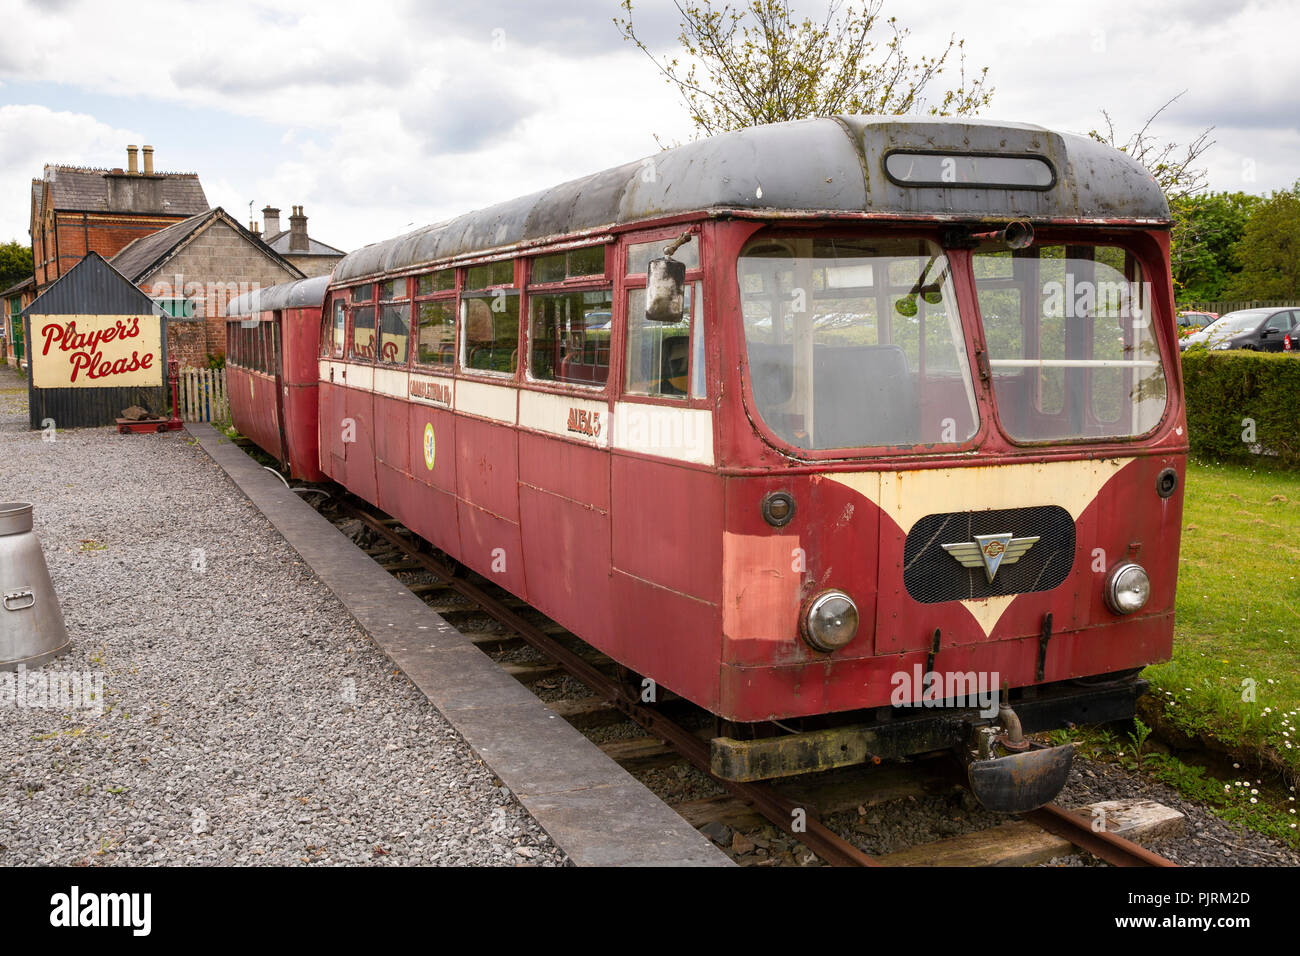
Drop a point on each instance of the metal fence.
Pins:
(1224, 306)
(202, 395)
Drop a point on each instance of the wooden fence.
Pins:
(202, 395)
(1223, 307)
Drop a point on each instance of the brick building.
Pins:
(312, 256)
(193, 269)
(76, 210)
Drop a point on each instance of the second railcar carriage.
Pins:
(910, 428)
(272, 337)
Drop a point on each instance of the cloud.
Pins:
(381, 115)
(30, 137)
(561, 27)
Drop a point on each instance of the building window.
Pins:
(177, 308)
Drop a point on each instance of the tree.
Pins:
(753, 64)
(1269, 251)
(1211, 224)
(1174, 165)
(15, 263)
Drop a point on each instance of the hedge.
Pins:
(1228, 391)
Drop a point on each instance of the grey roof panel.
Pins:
(280, 243)
(833, 165)
(19, 286)
(101, 190)
(300, 294)
(92, 287)
(139, 255)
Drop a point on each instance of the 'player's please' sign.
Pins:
(96, 351)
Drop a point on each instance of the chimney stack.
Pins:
(148, 160)
(132, 161)
(271, 218)
(298, 231)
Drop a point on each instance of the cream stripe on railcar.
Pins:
(550, 413)
(498, 402)
(907, 496)
(683, 434)
(391, 382)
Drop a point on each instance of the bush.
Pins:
(1235, 396)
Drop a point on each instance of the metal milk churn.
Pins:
(31, 622)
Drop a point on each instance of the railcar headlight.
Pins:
(831, 621)
(1128, 588)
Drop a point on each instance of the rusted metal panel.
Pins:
(566, 550)
(392, 425)
(359, 453)
(492, 546)
(487, 466)
(667, 636)
(564, 468)
(750, 693)
(667, 523)
(432, 438)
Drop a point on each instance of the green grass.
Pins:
(1259, 803)
(1238, 618)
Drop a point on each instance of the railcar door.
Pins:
(277, 373)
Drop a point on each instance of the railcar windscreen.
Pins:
(855, 343)
(1070, 341)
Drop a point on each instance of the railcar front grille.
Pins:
(932, 574)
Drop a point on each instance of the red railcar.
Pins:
(914, 435)
(272, 337)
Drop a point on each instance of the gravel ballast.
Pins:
(246, 718)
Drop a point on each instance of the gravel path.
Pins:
(246, 719)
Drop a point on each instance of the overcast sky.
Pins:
(383, 115)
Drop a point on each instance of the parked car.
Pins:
(1264, 330)
(1190, 321)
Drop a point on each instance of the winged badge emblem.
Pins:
(990, 551)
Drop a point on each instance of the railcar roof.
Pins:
(831, 165)
(299, 294)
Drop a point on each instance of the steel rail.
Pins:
(1102, 844)
(780, 810)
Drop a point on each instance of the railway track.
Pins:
(617, 698)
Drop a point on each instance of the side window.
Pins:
(435, 315)
(569, 328)
(339, 326)
(1281, 321)
(362, 344)
(489, 315)
(639, 254)
(394, 323)
(569, 336)
(659, 353)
